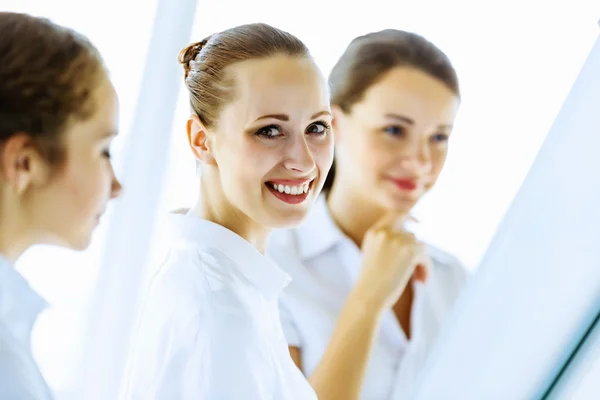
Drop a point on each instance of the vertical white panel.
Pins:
(127, 247)
(538, 286)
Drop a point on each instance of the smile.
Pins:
(290, 192)
(294, 190)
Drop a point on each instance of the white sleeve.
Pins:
(288, 323)
(160, 360)
(204, 363)
(186, 349)
(236, 364)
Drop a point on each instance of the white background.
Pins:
(516, 62)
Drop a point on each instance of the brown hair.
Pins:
(47, 76)
(206, 63)
(369, 57)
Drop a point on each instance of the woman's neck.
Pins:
(352, 211)
(213, 206)
(13, 237)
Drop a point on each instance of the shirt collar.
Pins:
(20, 305)
(260, 270)
(318, 233)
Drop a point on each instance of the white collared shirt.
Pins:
(209, 326)
(20, 377)
(324, 265)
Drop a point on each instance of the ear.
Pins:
(21, 163)
(198, 140)
(337, 123)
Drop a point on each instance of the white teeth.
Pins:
(293, 190)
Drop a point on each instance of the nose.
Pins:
(115, 185)
(416, 156)
(299, 157)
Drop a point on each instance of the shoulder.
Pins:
(449, 274)
(176, 292)
(203, 281)
(443, 259)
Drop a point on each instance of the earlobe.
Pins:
(198, 139)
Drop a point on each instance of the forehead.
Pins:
(107, 105)
(103, 121)
(410, 91)
(279, 84)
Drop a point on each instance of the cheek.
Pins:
(322, 151)
(377, 154)
(438, 159)
(244, 164)
(88, 184)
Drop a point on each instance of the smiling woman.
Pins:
(269, 140)
(260, 131)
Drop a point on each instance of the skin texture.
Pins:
(277, 127)
(60, 204)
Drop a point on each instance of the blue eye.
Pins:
(395, 130)
(440, 137)
(318, 128)
(269, 132)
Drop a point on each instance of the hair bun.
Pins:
(189, 53)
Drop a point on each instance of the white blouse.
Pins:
(209, 326)
(324, 265)
(20, 377)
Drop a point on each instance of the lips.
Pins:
(290, 191)
(405, 183)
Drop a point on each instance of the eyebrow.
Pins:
(400, 118)
(108, 133)
(411, 122)
(285, 117)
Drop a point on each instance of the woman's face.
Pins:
(63, 204)
(393, 144)
(273, 145)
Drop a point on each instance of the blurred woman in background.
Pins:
(367, 298)
(260, 131)
(58, 115)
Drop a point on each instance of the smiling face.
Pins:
(394, 142)
(272, 144)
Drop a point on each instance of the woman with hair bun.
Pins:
(260, 132)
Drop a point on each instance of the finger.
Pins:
(423, 252)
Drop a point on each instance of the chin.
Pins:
(75, 244)
(80, 241)
(402, 204)
(80, 244)
(287, 220)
